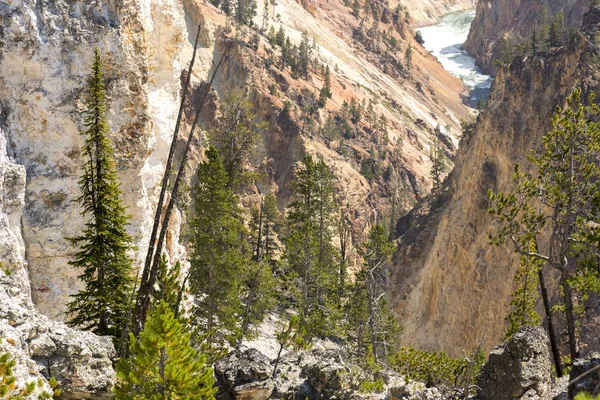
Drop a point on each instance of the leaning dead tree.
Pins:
(161, 222)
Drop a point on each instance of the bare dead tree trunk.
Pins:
(551, 332)
(144, 288)
(143, 300)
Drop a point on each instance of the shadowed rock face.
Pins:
(497, 19)
(448, 285)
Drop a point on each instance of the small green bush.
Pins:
(438, 369)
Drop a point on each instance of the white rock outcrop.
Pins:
(80, 361)
(45, 54)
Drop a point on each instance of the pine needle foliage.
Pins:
(292, 335)
(104, 243)
(524, 299)
(216, 251)
(370, 324)
(310, 253)
(162, 365)
(170, 288)
(438, 368)
(235, 135)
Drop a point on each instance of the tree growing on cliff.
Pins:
(235, 135)
(552, 215)
(104, 243)
(408, 57)
(325, 93)
(162, 364)
(245, 11)
(437, 159)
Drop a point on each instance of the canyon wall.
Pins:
(449, 285)
(497, 19)
(427, 12)
(46, 50)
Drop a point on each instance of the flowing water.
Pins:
(444, 40)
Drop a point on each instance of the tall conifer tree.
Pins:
(216, 257)
(309, 245)
(104, 243)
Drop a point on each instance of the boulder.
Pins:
(324, 370)
(589, 382)
(244, 375)
(520, 366)
(80, 361)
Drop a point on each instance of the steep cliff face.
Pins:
(450, 286)
(45, 53)
(41, 348)
(497, 19)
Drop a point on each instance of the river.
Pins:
(444, 40)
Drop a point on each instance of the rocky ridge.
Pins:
(502, 19)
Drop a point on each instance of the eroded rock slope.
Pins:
(449, 285)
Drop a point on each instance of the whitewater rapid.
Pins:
(445, 39)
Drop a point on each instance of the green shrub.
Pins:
(586, 396)
(438, 369)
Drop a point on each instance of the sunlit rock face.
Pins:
(45, 57)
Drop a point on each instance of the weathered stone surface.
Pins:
(80, 361)
(589, 382)
(519, 367)
(244, 375)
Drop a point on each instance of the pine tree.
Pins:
(280, 37)
(290, 336)
(557, 30)
(371, 324)
(263, 230)
(286, 50)
(170, 289)
(408, 57)
(216, 252)
(257, 293)
(525, 297)
(162, 364)
(245, 11)
(304, 55)
(104, 243)
(235, 135)
(325, 93)
(561, 197)
(309, 248)
(504, 52)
